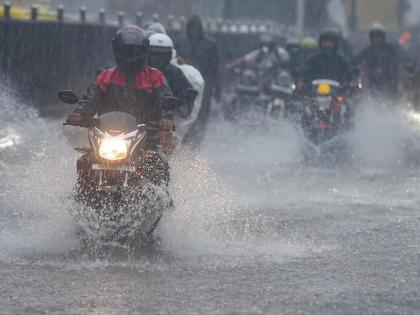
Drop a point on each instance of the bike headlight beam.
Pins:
(113, 149)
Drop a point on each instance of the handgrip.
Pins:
(84, 124)
(67, 124)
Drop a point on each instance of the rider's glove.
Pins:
(74, 119)
(166, 125)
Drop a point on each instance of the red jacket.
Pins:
(141, 97)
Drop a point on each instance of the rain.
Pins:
(209, 157)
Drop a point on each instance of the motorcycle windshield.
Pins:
(118, 122)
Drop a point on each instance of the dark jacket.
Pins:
(327, 66)
(380, 65)
(200, 51)
(178, 83)
(297, 60)
(346, 49)
(141, 97)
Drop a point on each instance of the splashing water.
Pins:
(222, 195)
(230, 199)
(36, 178)
(274, 143)
(383, 136)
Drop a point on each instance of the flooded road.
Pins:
(255, 229)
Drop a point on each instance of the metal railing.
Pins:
(172, 23)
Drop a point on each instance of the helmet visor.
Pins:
(131, 52)
(159, 59)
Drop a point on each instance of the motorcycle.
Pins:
(325, 116)
(281, 91)
(247, 96)
(266, 94)
(121, 191)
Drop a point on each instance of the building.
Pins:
(362, 14)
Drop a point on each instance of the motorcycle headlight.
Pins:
(279, 102)
(323, 89)
(113, 150)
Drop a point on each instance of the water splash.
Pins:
(37, 174)
(383, 136)
(229, 199)
(220, 196)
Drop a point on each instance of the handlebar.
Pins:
(148, 127)
(87, 123)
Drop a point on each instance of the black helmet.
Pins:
(328, 35)
(377, 30)
(130, 46)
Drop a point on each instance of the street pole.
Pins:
(227, 9)
(353, 16)
(300, 21)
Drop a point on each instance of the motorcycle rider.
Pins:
(328, 63)
(200, 51)
(309, 47)
(267, 57)
(379, 62)
(160, 55)
(344, 46)
(297, 57)
(137, 89)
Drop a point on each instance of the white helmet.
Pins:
(160, 50)
(161, 40)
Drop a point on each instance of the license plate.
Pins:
(322, 125)
(119, 168)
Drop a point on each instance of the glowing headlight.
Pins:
(323, 89)
(279, 102)
(113, 150)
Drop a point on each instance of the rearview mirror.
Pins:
(68, 97)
